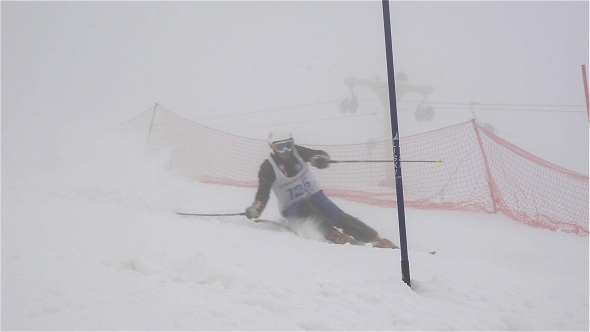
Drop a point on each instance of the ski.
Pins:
(277, 224)
(210, 214)
(260, 221)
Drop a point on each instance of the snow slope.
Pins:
(94, 244)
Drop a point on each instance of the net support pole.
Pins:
(149, 134)
(405, 262)
(585, 79)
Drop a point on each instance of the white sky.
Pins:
(71, 64)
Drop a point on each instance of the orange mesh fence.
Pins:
(534, 191)
(479, 171)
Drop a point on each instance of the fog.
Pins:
(69, 66)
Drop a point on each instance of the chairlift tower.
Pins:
(381, 90)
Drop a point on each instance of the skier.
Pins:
(300, 196)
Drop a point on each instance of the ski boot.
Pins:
(380, 242)
(336, 236)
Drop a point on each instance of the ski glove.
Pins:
(320, 160)
(254, 211)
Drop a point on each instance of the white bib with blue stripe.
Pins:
(296, 188)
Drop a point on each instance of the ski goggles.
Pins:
(283, 146)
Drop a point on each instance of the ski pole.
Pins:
(384, 161)
(258, 221)
(212, 214)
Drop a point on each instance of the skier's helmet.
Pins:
(281, 141)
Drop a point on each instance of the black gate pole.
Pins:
(405, 263)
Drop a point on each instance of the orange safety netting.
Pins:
(480, 171)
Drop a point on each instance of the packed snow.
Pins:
(97, 245)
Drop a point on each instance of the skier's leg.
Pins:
(327, 214)
(353, 226)
(323, 206)
(315, 209)
(363, 232)
(303, 212)
(350, 225)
